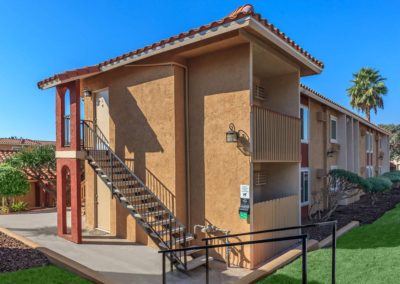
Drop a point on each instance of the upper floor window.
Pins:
(304, 123)
(334, 129)
(369, 142)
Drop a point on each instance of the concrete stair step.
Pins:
(194, 263)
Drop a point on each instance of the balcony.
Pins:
(276, 136)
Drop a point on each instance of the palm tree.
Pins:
(367, 91)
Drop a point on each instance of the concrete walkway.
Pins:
(118, 259)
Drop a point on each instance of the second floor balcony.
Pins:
(276, 136)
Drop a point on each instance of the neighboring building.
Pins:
(189, 131)
(36, 196)
(334, 137)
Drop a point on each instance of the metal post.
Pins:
(334, 253)
(164, 280)
(304, 259)
(184, 253)
(207, 273)
(170, 243)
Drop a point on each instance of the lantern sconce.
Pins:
(231, 134)
(87, 93)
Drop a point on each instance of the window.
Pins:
(369, 142)
(333, 129)
(369, 171)
(304, 183)
(304, 123)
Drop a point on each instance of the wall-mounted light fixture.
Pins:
(87, 93)
(231, 134)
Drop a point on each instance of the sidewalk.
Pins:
(118, 259)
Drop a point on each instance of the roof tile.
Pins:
(241, 12)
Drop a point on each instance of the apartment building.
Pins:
(198, 131)
(333, 137)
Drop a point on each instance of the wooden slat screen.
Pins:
(277, 213)
(276, 136)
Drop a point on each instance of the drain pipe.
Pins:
(187, 144)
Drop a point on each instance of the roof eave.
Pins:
(228, 27)
(268, 34)
(341, 109)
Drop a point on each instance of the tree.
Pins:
(37, 163)
(394, 141)
(378, 186)
(341, 184)
(367, 91)
(13, 182)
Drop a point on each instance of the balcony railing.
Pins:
(276, 136)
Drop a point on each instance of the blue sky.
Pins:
(41, 38)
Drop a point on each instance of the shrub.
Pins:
(394, 177)
(13, 182)
(342, 184)
(378, 185)
(19, 206)
(4, 210)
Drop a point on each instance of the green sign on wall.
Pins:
(243, 215)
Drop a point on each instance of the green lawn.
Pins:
(41, 275)
(367, 254)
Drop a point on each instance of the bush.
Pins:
(342, 184)
(4, 210)
(19, 206)
(378, 185)
(348, 180)
(394, 177)
(12, 181)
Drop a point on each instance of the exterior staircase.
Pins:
(160, 224)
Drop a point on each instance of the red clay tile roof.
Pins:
(343, 108)
(23, 142)
(241, 12)
(45, 174)
(6, 154)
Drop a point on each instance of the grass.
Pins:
(41, 275)
(367, 254)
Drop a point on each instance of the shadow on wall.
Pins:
(134, 136)
(156, 186)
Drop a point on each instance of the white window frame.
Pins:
(370, 142)
(333, 118)
(369, 171)
(305, 124)
(305, 170)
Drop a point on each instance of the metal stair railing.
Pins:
(95, 142)
(302, 237)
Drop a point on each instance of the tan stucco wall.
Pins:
(317, 148)
(219, 94)
(146, 128)
(29, 197)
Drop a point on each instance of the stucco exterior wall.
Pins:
(146, 128)
(219, 88)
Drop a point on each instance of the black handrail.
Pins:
(303, 238)
(304, 246)
(273, 230)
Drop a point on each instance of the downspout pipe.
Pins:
(187, 144)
